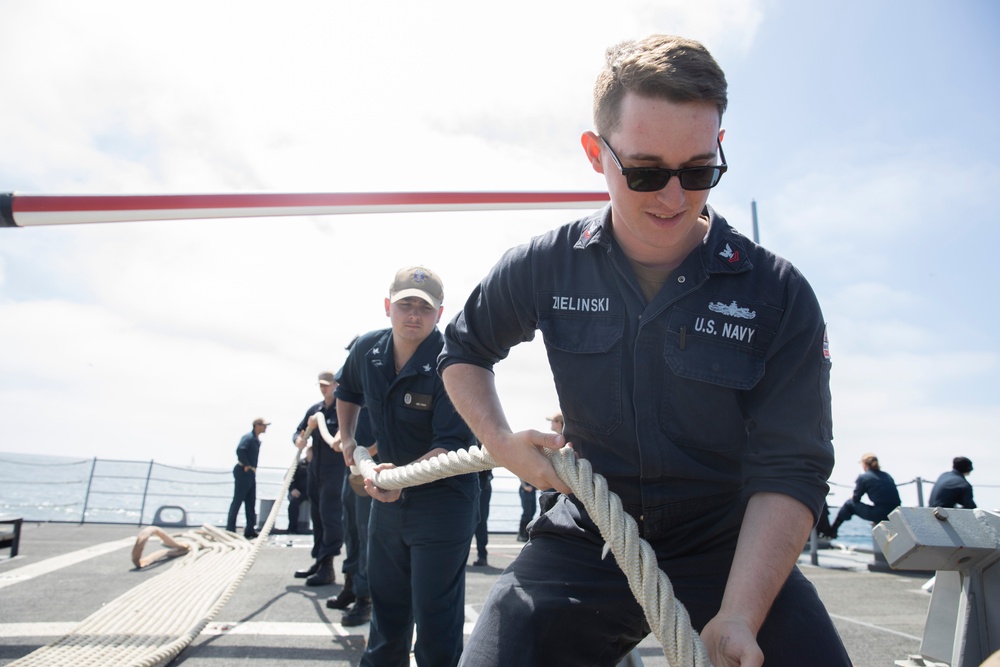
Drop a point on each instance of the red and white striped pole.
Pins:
(28, 210)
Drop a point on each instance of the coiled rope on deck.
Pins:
(127, 631)
(651, 587)
(153, 622)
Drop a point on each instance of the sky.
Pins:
(864, 131)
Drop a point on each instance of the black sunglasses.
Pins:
(651, 179)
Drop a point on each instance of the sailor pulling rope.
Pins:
(667, 617)
(216, 562)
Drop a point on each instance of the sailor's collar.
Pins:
(724, 249)
(596, 229)
(423, 361)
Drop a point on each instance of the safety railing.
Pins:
(49, 489)
(41, 488)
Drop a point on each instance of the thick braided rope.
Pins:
(154, 621)
(667, 617)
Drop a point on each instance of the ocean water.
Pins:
(48, 488)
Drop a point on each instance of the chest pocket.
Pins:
(712, 361)
(409, 430)
(585, 353)
(414, 407)
(412, 400)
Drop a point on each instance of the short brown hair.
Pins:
(659, 66)
(871, 461)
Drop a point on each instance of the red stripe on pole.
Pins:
(45, 203)
(60, 209)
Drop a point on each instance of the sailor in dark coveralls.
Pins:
(951, 488)
(245, 479)
(419, 538)
(326, 478)
(692, 373)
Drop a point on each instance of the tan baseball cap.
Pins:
(260, 421)
(326, 377)
(417, 281)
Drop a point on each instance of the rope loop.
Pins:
(153, 622)
(667, 617)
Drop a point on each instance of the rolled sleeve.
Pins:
(349, 381)
(790, 425)
(499, 314)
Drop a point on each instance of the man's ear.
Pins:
(592, 147)
(387, 304)
(440, 313)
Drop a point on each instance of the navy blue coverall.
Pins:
(357, 511)
(881, 490)
(326, 479)
(951, 489)
(300, 483)
(688, 404)
(419, 544)
(245, 484)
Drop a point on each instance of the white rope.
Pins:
(324, 432)
(667, 616)
(127, 631)
(154, 621)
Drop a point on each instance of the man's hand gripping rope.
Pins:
(667, 617)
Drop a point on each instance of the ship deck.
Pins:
(65, 572)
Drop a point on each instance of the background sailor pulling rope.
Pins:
(131, 631)
(667, 617)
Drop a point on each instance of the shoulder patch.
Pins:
(730, 255)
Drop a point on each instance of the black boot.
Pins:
(310, 571)
(522, 531)
(345, 597)
(359, 614)
(324, 575)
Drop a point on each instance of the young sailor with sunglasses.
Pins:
(692, 373)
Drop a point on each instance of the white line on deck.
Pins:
(875, 627)
(471, 614)
(257, 628)
(16, 576)
(493, 547)
(9, 630)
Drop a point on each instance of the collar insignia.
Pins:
(730, 255)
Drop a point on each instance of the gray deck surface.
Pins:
(273, 619)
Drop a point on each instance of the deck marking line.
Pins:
(876, 627)
(53, 629)
(259, 628)
(17, 575)
(249, 628)
(290, 629)
(471, 615)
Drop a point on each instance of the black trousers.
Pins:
(561, 603)
(482, 532)
(326, 509)
(245, 493)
